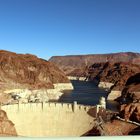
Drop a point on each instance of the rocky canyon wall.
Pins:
(116, 77)
(110, 71)
(7, 127)
(29, 73)
(76, 65)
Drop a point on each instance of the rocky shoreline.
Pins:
(38, 95)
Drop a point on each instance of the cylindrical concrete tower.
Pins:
(75, 106)
(102, 102)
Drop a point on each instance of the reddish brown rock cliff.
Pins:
(28, 71)
(6, 126)
(117, 73)
(118, 128)
(74, 65)
(130, 112)
(132, 88)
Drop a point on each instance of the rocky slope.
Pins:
(29, 71)
(6, 126)
(76, 65)
(116, 73)
(132, 88)
(110, 126)
(122, 78)
(130, 112)
(114, 128)
(25, 71)
(118, 128)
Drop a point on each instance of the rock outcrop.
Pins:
(115, 73)
(6, 126)
(130, 112)
(118, 128)
(76, 65)
(114, 94)
(105, 85)
(25, 71)
(132, 88)
(117, 77)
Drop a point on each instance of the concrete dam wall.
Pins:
(50, 119)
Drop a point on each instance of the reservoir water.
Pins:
(87, 93)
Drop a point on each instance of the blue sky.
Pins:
(61, 27)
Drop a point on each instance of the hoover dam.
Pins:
(50, 119)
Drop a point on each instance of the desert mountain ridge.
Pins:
(114, 53)
(76, 65)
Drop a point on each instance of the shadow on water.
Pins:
(87, 93)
